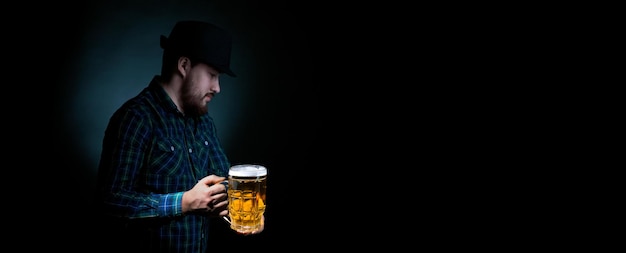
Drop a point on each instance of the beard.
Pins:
(193, 100)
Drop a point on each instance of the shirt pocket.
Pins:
(167, 158)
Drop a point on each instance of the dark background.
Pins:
(346, 92)
(75, 67)
(331, 96)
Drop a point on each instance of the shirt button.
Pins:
(172, 148)
(189, 150)
(206, 143)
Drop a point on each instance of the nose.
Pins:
(215, 87)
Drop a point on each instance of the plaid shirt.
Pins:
(151, 154)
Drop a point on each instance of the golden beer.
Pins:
(247, 185)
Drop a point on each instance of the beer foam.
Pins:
(247, 170)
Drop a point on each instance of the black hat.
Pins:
(201, 41)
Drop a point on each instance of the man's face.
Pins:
(199, 86)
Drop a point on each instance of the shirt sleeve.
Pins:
(127, 137)
(170, 204)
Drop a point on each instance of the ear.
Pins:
(183, 66)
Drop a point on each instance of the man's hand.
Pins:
(207, 196)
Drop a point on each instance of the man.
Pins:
(162, 171)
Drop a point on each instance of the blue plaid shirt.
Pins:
(151, 154)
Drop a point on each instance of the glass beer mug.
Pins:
(247, 184)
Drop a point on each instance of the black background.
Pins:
(328, 114)
(383, 88)
(57, 179)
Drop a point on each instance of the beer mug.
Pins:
(247, 184)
